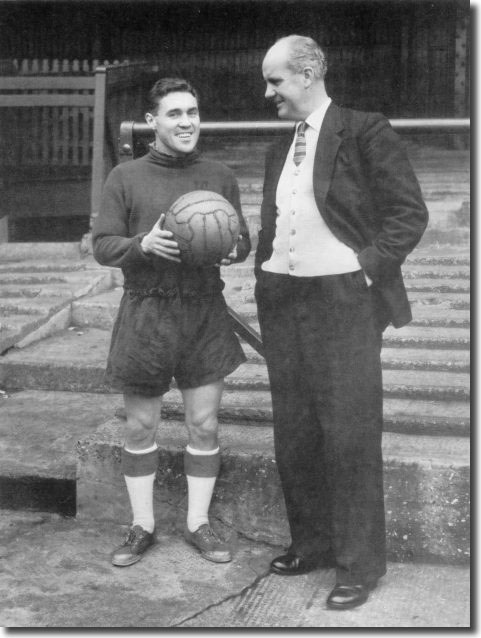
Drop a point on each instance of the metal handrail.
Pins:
(130, 130)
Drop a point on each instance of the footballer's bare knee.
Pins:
(143, 417)
(203, 428)
(201, 408)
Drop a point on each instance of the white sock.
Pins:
(200, 490)
(141, 495)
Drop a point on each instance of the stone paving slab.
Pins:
(56, 573)
(38, 430)
(421, 596)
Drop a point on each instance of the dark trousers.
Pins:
(323, 346)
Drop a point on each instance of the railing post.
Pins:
(126, 141)
(98, 165)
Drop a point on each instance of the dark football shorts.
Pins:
(155, 339)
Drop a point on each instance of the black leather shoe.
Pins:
(131, 551)
(348, 596)
(291, 565)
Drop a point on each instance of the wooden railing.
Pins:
(53, 66)
(47, 112)
(46, 120)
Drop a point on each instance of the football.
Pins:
(205, 226)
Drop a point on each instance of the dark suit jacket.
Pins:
(368, 195)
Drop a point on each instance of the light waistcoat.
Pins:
(303, 245)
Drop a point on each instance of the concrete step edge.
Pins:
(19, 251)
(88, 377)
(248, 496)
(55, 320)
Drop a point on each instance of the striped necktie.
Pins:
(300, 146)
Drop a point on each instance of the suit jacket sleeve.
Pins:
(399, 207)
(268, 209)
(232, 194)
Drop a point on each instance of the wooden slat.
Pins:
(74, 140)
(37, 99)
(85, 137)
(55, 134)
(65, 136)
(38, 83)
(45, 135)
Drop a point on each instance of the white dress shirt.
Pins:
(303, 245)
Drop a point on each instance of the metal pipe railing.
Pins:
(131, 131)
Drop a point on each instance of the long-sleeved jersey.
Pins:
(135, 194)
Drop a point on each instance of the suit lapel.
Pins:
(326, 152)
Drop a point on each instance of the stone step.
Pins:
(452, 311)
(405, 358)
(30, 311)
(405, 415)
(96, 337)
(435, 271)
(61, 451)
(426, 337)
(414, 281)
(416, 384)
(20, 330)
(444, 334)
(445, 214)
(426, 486)
(441, 259)
(34, 266)
(450, 301)
(40, 305)
(64, 290)
(414, 285)
(27, 251)
(74, 360)
(35, 279)
(436, 189)
(436, 313)
(437, 310)
(52, 365)
(441, 236)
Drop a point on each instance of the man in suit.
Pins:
(341, 210)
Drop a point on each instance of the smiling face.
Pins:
(176, 123)
(285, 87)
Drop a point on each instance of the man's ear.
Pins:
(308, 76)
(149, 118)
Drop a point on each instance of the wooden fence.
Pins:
(54, 66)
(46, 120)
(47, 113)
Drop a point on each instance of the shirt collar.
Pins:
(316, 118)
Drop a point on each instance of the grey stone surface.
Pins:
(426, 483)
(56, 573)
(39, 431)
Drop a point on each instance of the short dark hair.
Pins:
(164, 86)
